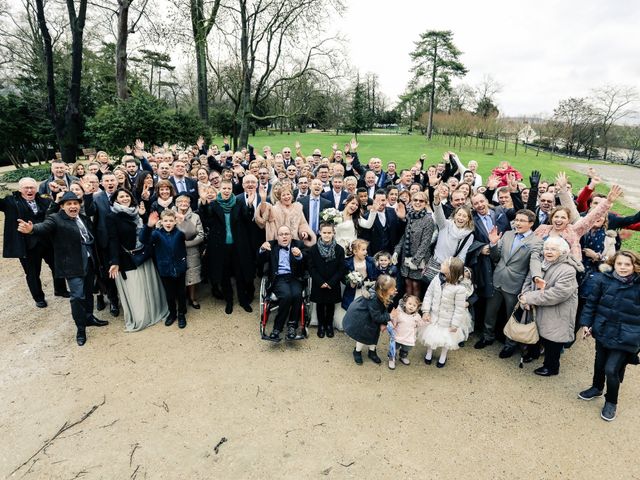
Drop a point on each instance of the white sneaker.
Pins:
(392, 364)
(405, 360)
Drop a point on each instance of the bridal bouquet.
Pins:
(355, 278)
(331, 215)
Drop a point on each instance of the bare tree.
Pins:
(611, 104)
(269, 43)
(68, 126)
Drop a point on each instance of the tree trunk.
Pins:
(245, 97)
(68, 127)
(432, 93)
(121, 49)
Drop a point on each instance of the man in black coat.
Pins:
(337, 195)
(286, 276)
(28, 205)
(387, 227)
(102, 202)
(58, 172)
(74, 258)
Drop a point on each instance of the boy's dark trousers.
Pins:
(175, 289)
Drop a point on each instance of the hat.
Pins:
(68, 196)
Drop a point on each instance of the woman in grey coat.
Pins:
(556, 304)
(191, 226)
(413, 250)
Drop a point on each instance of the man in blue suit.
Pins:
(183, 184)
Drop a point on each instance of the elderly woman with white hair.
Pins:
(556, 304)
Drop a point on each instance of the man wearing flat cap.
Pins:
(73, 246)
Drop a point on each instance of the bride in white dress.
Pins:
(346, 230)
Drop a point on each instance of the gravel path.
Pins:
(287, 411)
(625, 176)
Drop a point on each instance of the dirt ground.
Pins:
(160, 401)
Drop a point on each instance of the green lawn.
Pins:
(406, 149)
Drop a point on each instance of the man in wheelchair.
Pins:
(286, 279)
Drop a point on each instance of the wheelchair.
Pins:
(269, 304)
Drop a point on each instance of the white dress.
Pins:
(346, 230)
(445, 303)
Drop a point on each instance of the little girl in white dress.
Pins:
(445, 312)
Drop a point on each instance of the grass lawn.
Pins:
(406, 149)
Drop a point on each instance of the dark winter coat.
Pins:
(326, 271)
(363, 319)
(269, 258)
(16, 244)
(350, 292)
(122, 239)
(612, 313)
(69, 253)
(212, 215)
(169, 250)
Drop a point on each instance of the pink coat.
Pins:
(574, 231)
(275, 216)
(405, 327)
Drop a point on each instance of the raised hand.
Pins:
(334, 147)
(595, 181)
(141, 209)
(153, 219)
(200, 141)
(266, 246)
(251, 198)
(128, 150)
(534, 179)
(561, 181)
(262, 191)
(614, 193)
(493, 182)
(354, 145)
(494, 236)
(295, 251)
(591, 172)
(401, 211)
(179, 217)
(139, 145)
(297, 145)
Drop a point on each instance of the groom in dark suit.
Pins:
(516, 252)
(313, 204)
(387, 227)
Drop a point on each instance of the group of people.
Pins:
(428, 253)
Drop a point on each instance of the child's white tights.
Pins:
(443, 354)
(360, 345)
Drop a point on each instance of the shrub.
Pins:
(39, 172)
(142, 116)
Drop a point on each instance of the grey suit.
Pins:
(509, 275)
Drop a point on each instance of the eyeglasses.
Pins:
(418, 200)
(316, 155)
(286, 151)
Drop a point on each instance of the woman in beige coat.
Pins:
(556, 304)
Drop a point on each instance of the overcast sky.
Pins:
(540, 53)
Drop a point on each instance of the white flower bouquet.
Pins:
(331, 215)
(355, 278)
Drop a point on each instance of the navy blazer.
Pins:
(192, 190)
(349, 292)
(329, 196)
(324, 204)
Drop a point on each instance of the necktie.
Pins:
(33, 205)
(84, 233)
(182, 187)
(314, 215)
(517, 241)
(488, 222)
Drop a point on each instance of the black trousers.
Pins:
(609, 364)
(32, 266)
(552, 352)
(325, 314)
(106, 285)
(81, 296)
(175, 290)
(289, 293)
